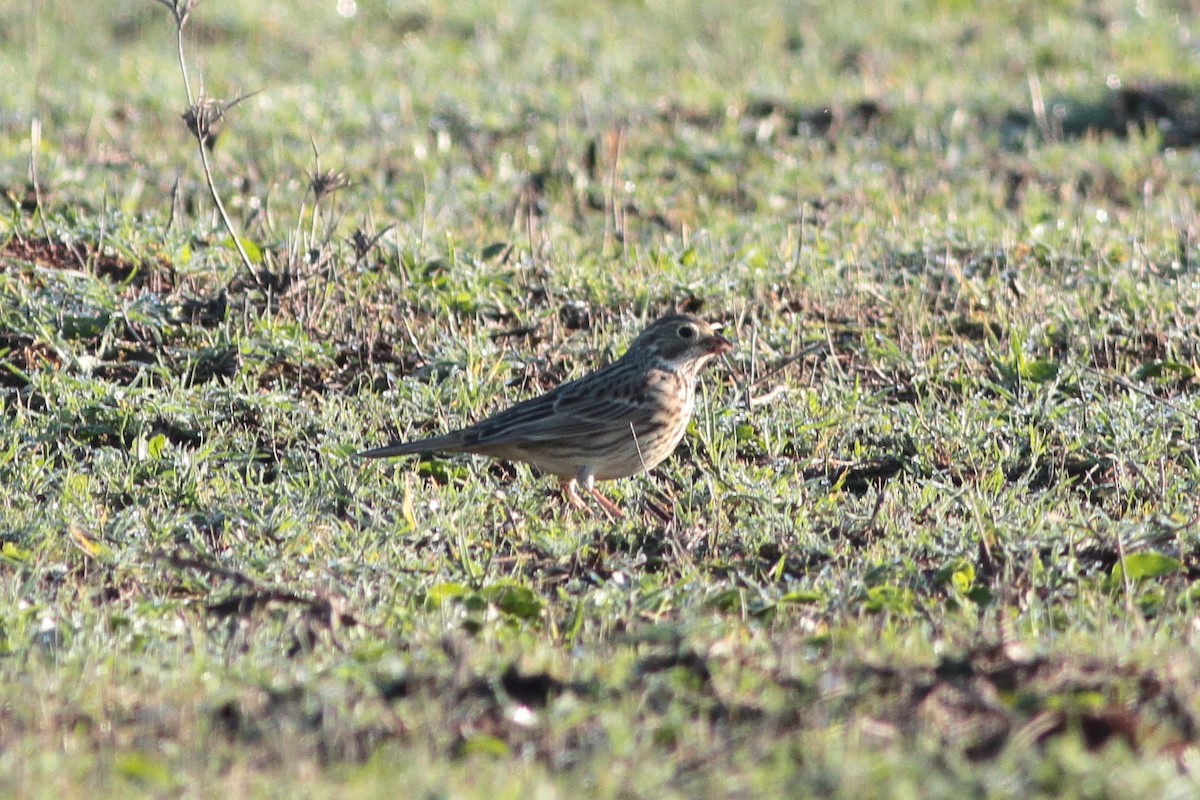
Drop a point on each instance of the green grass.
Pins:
(951, 553)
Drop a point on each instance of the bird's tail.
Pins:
(448, 443)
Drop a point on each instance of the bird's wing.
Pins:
(585, 407)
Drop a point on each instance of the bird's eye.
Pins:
(687, 332)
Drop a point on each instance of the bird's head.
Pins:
(685, 342)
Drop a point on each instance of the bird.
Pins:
(622, 419)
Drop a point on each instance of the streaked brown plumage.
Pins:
(615, 422)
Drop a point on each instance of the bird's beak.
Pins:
(718, 345)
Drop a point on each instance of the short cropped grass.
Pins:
(933, 531)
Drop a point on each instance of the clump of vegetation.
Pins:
(933, 533)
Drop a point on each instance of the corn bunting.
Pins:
(615, 422)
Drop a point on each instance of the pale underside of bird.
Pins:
(618, 421)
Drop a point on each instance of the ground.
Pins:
(932, 533)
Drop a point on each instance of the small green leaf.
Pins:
(14, 555)
(156, 445)
(666, 735)
(763, 610)
(140, 768)
(1163, 369)
(729, 601)
(960, 574)
(82, 326)
(979, 595)
(802, 597)
(441, 593)
(890, 599)
(1141, 566)
(749, 438)
(440, 470)
(570, 631)
(252, 250)
(514, 600)
(1150, 602)
(483, 745)
(464, 302)
(1039, 371)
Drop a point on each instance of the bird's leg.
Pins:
(609, 506)
(568, 489)
(589, 482)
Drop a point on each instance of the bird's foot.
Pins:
(571, 493)
(610, 508)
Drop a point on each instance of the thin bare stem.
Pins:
(200, 124)
(216, 198)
